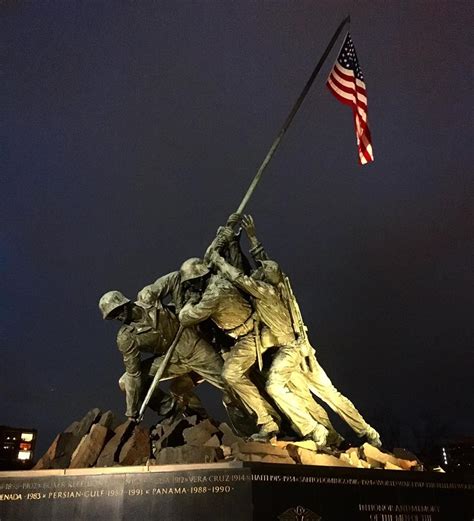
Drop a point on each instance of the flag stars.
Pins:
(340, 85)
(348, 58)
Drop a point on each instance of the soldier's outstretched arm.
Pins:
(160, 289)
(233, 254)
(227, 243)
(224, 236)
(256, 248)
(247, 284)
(193, 313)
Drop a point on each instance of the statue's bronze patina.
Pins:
(238, 326)
(152, 330)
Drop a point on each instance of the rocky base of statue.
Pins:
(98, 440)
(189, 440)
(101, 440)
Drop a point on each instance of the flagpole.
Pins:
(291, 115)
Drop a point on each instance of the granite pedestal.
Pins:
(235, 491)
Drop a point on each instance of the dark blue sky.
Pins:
(131, 129)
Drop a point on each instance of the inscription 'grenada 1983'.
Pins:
(10, 497)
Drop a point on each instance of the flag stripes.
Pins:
(346, 82)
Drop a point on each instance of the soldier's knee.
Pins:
(121, 382)
(230, 376)
(274, 387)
(183, 384)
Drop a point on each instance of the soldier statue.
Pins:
(255, 310)
(151, 330)
(271, 299)
(224, 304)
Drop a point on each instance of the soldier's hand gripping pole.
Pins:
(159, 373)
(291, 115)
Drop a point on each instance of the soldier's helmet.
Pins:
(193, 269)
(111, 301)
(271, 271)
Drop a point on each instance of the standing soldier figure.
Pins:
(273, 307)
(277, 331)
(223, 303)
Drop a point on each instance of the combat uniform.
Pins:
(154, 334)
(295, 401)
(167, 285)
(225, 306)
(171, 284)
(285, 375)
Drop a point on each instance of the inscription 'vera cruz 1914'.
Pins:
(236, 491)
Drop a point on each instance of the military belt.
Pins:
(243, 329)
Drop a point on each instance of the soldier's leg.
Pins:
(182, 389)
(236, 366)
(200, 358)
(285, 363)
(298, 385)
(121, 382)
(203, 360)
(196, 354)
(172, 370)
(136, 389)
(322, 386)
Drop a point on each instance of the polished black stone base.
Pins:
(235, 491)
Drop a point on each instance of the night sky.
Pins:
(130, 130)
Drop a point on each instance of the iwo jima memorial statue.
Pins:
(231, 319)
(237, 325)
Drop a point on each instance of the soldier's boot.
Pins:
(334, 439)
(372, 437)
(195, 406)
(187, 402)
(319, 435)
(267, 431)
(241, 421)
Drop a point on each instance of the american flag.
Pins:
(346, 82)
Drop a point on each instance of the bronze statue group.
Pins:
(236, 325)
